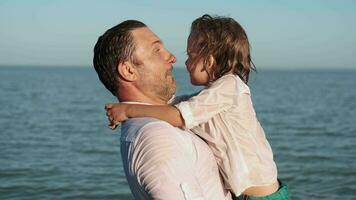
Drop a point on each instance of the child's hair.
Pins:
(226, 41)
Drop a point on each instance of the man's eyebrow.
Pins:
(157, 42)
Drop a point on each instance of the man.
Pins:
(160, 161)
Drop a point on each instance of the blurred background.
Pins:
(54, 143)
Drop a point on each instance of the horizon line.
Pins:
(178, 67)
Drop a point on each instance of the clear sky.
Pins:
(283, 34)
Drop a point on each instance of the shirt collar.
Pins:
(135, 102)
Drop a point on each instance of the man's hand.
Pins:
(116, 113)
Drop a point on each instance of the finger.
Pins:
(108, 113)
(110, 119)
(108, 106)
(112, 127)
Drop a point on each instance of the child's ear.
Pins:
(209, 67)
(211, 63)
(127, 71)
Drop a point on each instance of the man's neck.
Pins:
(132, 94)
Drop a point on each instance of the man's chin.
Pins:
(173, 89)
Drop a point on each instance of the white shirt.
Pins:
(224, 116)
(164, 162)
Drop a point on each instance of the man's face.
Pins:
(156, 63)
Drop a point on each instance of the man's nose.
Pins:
(172, 59)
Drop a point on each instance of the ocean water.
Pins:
(54, 143)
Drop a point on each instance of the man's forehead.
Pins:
(144, 34)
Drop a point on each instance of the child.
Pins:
(222, 113)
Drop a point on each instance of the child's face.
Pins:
(195, 66)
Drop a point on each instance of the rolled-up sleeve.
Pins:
(219, 97)
(163, 166)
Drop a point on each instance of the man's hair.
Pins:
(225, 40)
(115, 46)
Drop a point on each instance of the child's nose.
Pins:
(188, 62)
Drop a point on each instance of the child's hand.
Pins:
(116, 113)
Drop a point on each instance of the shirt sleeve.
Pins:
(163, 166)
(219, 97)
(178, 99)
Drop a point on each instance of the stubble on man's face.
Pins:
(160, 83)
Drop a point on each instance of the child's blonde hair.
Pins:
(226, 41)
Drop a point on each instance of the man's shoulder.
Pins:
(136, 127)
(143, 123)
(158, 136)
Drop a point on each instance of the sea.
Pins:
(55, 143)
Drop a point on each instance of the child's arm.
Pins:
(119, 112)
(185, 97)
(219, 97)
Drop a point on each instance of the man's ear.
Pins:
(127, 71)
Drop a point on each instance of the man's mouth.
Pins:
(169, 73)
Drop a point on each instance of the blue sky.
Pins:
(283, 34)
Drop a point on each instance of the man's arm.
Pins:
(163, 164)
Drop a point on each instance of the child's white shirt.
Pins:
(223, 115)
